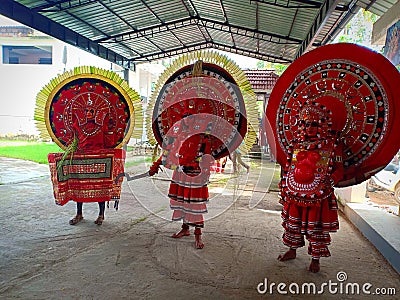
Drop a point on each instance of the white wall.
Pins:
(19, 84)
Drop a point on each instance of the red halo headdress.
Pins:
(359, 87)
(68, 98)
(215, 92)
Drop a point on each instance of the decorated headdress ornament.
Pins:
(88, 93)
(212, 87)
(197, 71)
(317, 115)
(359, 86)
(197, 68)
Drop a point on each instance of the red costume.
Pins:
(359, 87)
(88, 112)
(198, 116)
(313, 167)
(219, 165)
(90, 122)
(186, 150)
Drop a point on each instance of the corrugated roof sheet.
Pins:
(131, 31)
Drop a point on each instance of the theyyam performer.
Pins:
(203, 109)
(332, 116)
(90, 113)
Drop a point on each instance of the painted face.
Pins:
(89, 113)
(311, 128)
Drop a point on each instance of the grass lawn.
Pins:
(38, 152)
(32, 151)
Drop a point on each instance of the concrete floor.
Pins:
(131, 256)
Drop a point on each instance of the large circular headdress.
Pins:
(69, 98)
(359, 87)
(213, 89)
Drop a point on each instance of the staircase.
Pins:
(255, 152)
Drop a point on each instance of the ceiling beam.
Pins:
(147, 30)
(189, 6)
(250, 53)
(123, 20)
(172, 52)
(152, 12)
(213, 45)
(348, 14)
(300, 4)
(250, 32)
(322, 17)
(370, 4)
(208, 23)
(60, 7)
(193, 7)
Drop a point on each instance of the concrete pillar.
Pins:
(126, 75)
(381, 26)
(353, 194)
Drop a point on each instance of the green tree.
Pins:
(277, 68)
(359, 30)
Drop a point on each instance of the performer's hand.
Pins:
(154, 170)
(155, 167)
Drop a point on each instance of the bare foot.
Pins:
(183, 232)
(290, 254)
(198, 241)
(314, 266)
(75, 220)
(99, 220)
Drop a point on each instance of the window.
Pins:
(37, 55)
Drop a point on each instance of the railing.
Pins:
(143, 149)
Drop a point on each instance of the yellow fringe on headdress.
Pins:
(232, 68)
(46, 95)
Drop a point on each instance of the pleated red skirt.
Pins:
(188, 193)
(313, 222)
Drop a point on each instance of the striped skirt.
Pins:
(188, 193)
(313, 222)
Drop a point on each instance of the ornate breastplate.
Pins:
(307, 177)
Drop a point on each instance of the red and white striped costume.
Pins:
(307, 195)
(187, 152)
